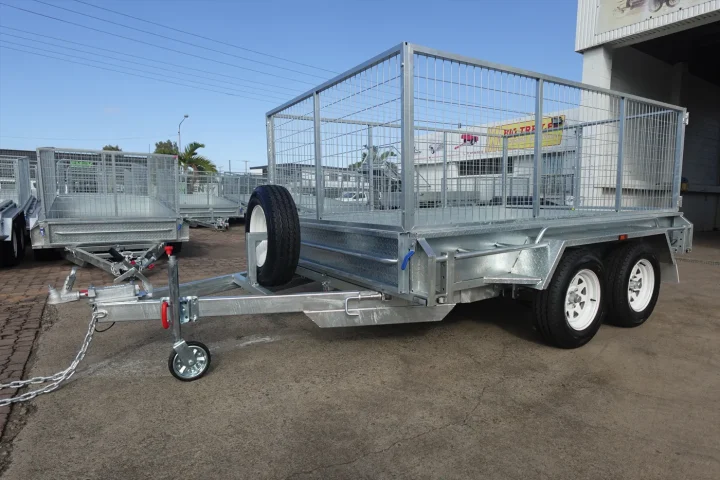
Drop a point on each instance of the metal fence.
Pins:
(238, 187)
(15, 179)
(97, 184)
(209, 196)
(418, 137)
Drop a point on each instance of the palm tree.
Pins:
(380, 162)
(190, 159)
(192, 163)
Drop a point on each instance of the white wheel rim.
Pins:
(641, 285)
(582, 299)
(259, 224)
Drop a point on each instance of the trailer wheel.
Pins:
(11, 248)
(635, 284)
(272, 209)
(569, 312)
(188, 374)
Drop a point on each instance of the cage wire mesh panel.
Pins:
(206, 195)
(294, 137)
(488, 144)
(467, 167)
(238, 187)
(87, 184)
(360, 145)
(14, 179)
(651, 135)
(477, 158)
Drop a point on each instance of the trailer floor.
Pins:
(476, 396)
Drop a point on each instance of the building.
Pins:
(666, 50)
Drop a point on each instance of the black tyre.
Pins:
(570, 311)
(21, 233)
(633, 284)
(10, 248)
(272, 209)
(187, 374)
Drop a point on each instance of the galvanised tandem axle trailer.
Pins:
(505, 182)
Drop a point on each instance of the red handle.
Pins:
(168, 250)
(163, 315)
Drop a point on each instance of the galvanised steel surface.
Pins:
(106, 197)
(15, 180)
(418, 144)
(208, 196)
(447, 139)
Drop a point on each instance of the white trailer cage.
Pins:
(481, 180)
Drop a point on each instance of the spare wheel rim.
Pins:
(582, 299)
(258, 223)
(641, 285)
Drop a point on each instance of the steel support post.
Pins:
(621, 141)
(319, 173)
(407, 138)
(444, 174)
(114, 183)
(504, 170)
(270, 149)
(371, 170)
(174, 297)
(537, 170)
(577, 179)
(677, 167)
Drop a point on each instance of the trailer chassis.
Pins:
(341, 300)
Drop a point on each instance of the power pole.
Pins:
(229, 167)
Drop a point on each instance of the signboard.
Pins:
(614, 14)
(81, 163)
(525, 138)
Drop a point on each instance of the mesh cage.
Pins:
(89, 184)
(417, 137)
(15, 179)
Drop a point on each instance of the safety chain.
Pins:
(52, 381)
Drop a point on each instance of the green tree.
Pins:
(112, 148)
(167, 147)
(190, 158)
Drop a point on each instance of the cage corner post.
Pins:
(407, 142)
(537, 170)
(677, 167)
(620, 156)
(270, 149)
(319, 173)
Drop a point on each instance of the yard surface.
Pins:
(475, 396)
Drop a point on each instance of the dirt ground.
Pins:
(475, 396)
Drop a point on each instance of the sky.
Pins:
(286, 48)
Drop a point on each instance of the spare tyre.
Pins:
(272, 209)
